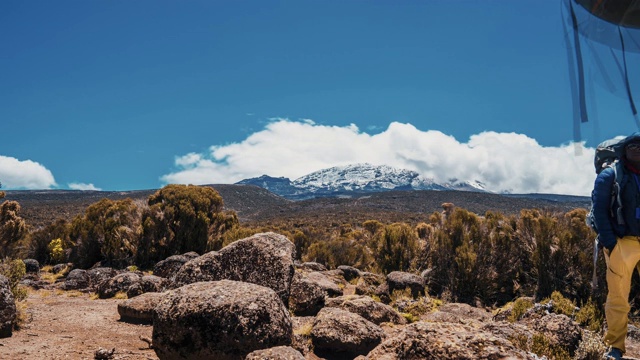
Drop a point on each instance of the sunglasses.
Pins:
(633, 147)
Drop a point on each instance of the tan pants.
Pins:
(620, 265)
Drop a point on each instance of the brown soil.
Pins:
(71, 325)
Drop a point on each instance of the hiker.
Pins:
(619, 235)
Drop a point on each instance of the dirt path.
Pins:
(70, 325)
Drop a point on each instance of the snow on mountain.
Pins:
(356, 178)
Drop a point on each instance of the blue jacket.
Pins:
(605, 217)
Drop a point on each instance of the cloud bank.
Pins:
(82, 186)
(504, 162)
(25, 174)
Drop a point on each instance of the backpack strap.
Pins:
(615, 193)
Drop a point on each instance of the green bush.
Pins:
(56, 251)
(14, 270)
(519, 308)
(183, 218)
(13, 229)
(396, 247)
(108, 231)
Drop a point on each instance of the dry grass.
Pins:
(22, 315)
(304, 330)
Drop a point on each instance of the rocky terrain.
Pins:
(223, 305)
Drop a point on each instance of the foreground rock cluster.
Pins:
(250, 300)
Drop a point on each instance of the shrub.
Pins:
(396, 246)
(13, 229)
(183, 218)
(56, 252)
(542, 346)
(40, 239)
(519, 308)
(108, 231)
(14, 270)
(590, 316)
(560, 304)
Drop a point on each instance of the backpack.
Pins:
(607, 155)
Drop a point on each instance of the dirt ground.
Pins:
(71, 325)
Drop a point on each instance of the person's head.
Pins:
(631, 148)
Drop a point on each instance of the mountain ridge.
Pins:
(355, 179)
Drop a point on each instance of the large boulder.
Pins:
(445, 341)
(224, 320)
(276, 353)
(170, 266)
(327, 283)
(264, 259)
(7, 308)
(338, 332)
(307, 297)
(119, 283)
(77, 279)
(399, 280)
(368, 308)
(98, 275)
(32, 266)
(349, 272)
(148, 283)
(368, 283)
(139, 310)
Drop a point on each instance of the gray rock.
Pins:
(445, 341)
(368, 283)
(119, 283)
(466, 311)
(219, 320)
(337, 331)
(559, 329)
(8, 310)
(302, 326)
(307, 297)
(148, 283)
(264, 259)
(349, 272)
(77, 279)
(276, 353)
(311, 266)
(368, 308)
(99, 274)
(191, 255)
(170, 266)
(399, 280)
(382, 292)
(139, 310)
(32, 266)
(60, 268)
(327, 283)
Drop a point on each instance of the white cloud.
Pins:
(503, 161)
(82, 186)
(24, 174)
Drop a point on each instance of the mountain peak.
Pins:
(353, 179)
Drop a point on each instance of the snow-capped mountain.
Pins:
(353, 179)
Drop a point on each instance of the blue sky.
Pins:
(126, 95)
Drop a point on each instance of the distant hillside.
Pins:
(256, 205)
